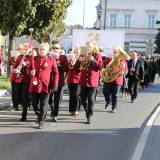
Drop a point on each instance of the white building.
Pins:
(137, 17)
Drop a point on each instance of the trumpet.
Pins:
(86, 52)
(85, 64)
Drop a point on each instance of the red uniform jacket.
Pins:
(90, 76)
(46, 74)
(17, 77)
(119, 80)
(62, 69)
(74, 74)
(25, 71)
(11, 61)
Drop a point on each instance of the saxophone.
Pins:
(115, 68)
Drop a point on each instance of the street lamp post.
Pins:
(84, 7)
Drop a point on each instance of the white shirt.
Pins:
(134, 63)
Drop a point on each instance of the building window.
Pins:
(113, 18)
(151, 21)
(127, 20)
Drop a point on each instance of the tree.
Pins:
(157, 40)
(17, 16)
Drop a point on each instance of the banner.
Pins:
(107, 39)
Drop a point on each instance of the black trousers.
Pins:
(26, 101)
(110, 91)
(16, 94)
(146, 80)
(74, 97)
(39, 102)
(87, 95)
(133, 86)
(14, 98)
(54, 100)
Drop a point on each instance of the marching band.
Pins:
(37, 79)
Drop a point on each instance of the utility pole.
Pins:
(105, 14)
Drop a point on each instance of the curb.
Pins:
(5, 104)
(144, 136)
(5, 92)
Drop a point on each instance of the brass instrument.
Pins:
(115, 68)
(86, 52)
(85, 64)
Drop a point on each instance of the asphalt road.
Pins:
(109, 137)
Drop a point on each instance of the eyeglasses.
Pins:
(42, 49)
(55, 48)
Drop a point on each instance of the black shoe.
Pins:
(88, 121)
(23, 119)
(132, 99)
(106, 105)
(40, 125)
(54, 119)
(114, 110)
(16, 109)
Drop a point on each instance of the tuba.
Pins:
(115, 68)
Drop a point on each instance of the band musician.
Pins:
(62, 63)
(111, 86)
(73, 82)
(41, 82)
(89, 80)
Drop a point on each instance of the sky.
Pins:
(76, 10)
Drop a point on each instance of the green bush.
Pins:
(4, 83)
